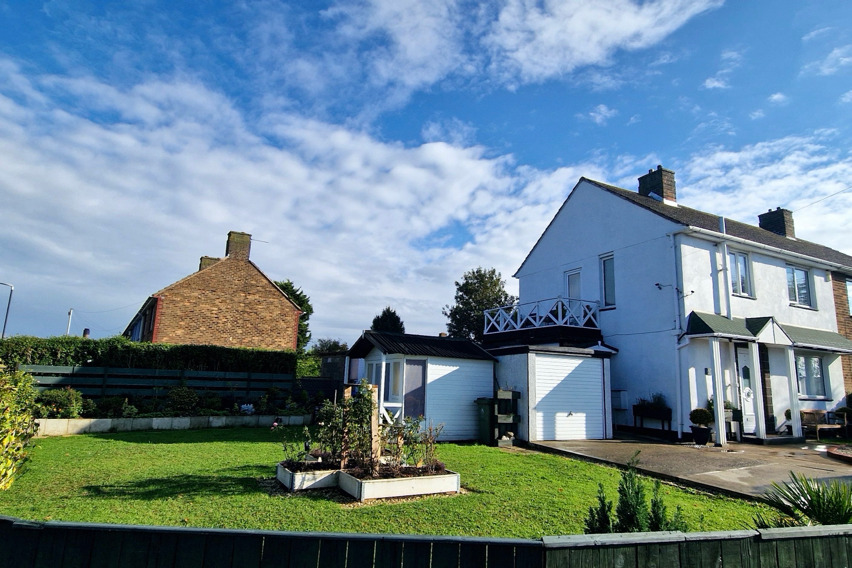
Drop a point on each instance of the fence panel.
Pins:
(74, 545)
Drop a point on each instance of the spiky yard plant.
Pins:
(804, 501)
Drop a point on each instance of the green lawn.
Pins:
(221, 478)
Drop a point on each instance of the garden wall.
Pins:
(26, 544)
(69, 426)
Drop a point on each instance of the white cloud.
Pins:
(839, 57)
(730, 61)
(600, 114)
(846, 97)
(715, 83)
(789, 172)
(535, 41)
(757, 114)
(816, 33)
(778, 99)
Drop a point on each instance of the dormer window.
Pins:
(799, 286)
(740, 274)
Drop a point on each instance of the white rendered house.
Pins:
(689, 304)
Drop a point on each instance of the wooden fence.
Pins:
(26, 544)
(97, 382)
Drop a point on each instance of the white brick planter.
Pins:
(301, 480)
(69, 426)
(363, 489)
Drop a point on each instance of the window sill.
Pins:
(815, 398)
(743, 296)
(803, 307)
(606, 309)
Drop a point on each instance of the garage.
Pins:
(562, 390)
(568, 400)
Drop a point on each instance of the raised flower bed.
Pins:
(380, 488)
(309, 479)
(378, 458)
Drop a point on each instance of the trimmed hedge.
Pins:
(120, 352)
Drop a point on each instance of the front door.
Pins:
(746, 376)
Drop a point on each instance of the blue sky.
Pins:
(378, 149)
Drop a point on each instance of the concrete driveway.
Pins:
(740, 470)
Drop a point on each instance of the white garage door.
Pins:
(569, 402)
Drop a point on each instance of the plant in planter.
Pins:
(655, 408)
(701, 419)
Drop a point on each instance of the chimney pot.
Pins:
(239, 245)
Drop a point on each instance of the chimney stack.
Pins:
(239, 245)
(779, 222)
(207, 261)
(659, 184)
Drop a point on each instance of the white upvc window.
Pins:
(393, 381)
(607, 280)
(799, 286)
(739, 268)
(572, 284)
(849, 295)
(809, 372)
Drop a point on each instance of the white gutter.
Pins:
(717, 237)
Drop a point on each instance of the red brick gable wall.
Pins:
(229, 303)
(844, 322)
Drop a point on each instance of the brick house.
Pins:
(229, 302)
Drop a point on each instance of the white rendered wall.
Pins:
(706, 292)
(643, 325)
(452, 387)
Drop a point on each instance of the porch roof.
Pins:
(817, 339)
(698, 324)
(420, 345)
(748, 329)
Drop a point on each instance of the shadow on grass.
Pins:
(240, 480)
(260, 435)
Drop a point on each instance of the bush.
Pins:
(60, 403)
(803, 501)
(632, 513)
(701, 416)
(183, 400)
(17, 422)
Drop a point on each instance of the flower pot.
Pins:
(363, 489)
(701, 435)
(301, 480)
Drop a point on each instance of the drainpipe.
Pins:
(677, 331)
(725, 270)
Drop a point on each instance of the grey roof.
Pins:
(699, 324)
(713, 324)
(420, 345)
(695, 218)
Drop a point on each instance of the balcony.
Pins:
(557, 320)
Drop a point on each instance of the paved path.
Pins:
(744, 470)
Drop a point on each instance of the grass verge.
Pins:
(221, 478)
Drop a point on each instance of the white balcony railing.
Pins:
(567, 312)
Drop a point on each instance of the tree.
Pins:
(304, 302)
(328, 345)
(480, 289)
(388, 320)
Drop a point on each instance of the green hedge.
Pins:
(17, 424)
(120, 352)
